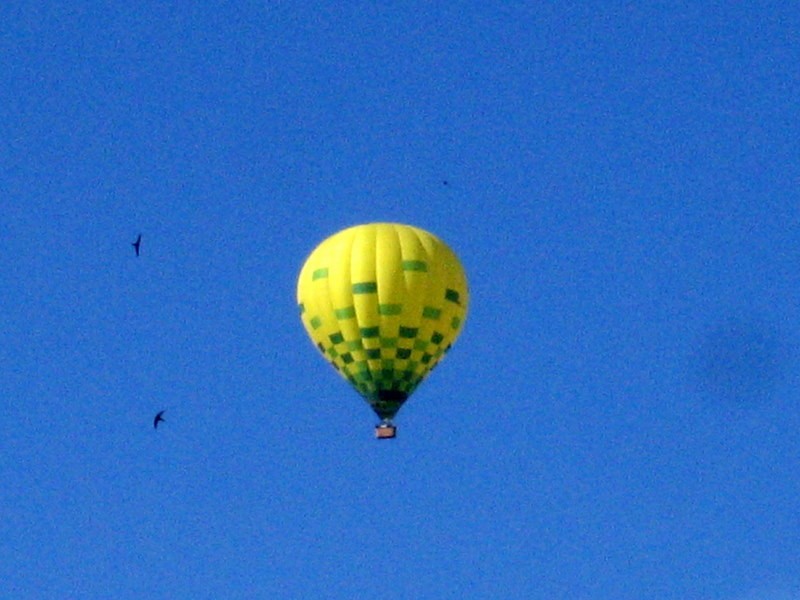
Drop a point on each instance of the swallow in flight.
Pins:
(137, 243)
(158, 419)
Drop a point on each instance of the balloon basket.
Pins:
(385, 431)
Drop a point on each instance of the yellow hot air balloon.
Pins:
(383, 303)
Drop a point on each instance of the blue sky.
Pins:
(619, 417)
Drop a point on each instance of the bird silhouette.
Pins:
(158, 419)
(137, 243)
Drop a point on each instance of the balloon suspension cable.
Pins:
(385, 430)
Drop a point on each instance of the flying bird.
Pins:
(158, 419)
(137, 243)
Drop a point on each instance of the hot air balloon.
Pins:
(383, 303)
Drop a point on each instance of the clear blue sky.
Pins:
(619, 419)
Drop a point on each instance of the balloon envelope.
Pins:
(383, 303)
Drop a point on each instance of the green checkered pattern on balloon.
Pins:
(416, 355)
(399, 363)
